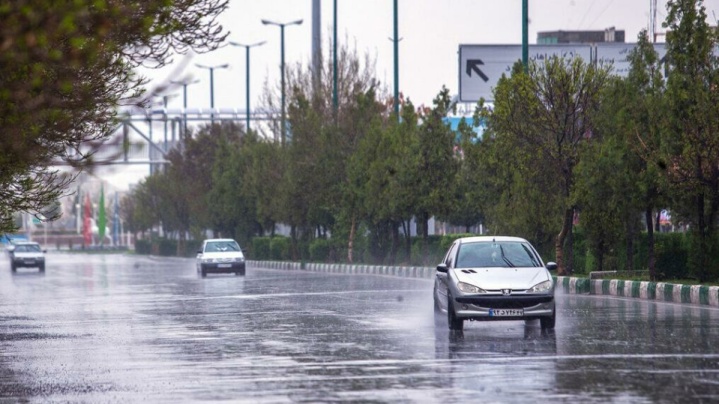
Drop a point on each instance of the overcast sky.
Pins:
(431, 32)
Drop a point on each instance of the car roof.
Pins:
(219, 239)
(489, 239)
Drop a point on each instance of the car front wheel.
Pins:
(455, 323)
(548, 322)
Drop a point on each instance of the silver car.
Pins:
(220, 255)
(494, 278)
(26, 254)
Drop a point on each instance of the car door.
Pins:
(441, 279)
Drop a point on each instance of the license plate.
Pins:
(506, 312)
(224, 265)
(30, 262)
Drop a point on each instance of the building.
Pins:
(556, 37)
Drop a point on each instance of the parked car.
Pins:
(220, 255)
(494, 278)
(26, 254)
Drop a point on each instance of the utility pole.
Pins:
(247, 78)
(396, 61)
(525, 34)
(282, 67)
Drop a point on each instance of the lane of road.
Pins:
(114, 328)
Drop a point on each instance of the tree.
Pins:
(435, 163)
(691, 142)
(465, 194)
(65, 67)
(620, 176)
(547, 113)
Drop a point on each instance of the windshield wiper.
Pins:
(501, 249)
(531, 256)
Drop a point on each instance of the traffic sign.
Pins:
(616, 54)
(481, 66)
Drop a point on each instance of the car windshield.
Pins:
(27, 248)
(504, 254)
(221, 246)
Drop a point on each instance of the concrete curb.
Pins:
(398, 271)
(666, 292)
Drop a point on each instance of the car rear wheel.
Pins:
(548, 322)
(455, 323)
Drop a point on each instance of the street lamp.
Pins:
(247, 93)
(212, 85)
(282, 64)
(184, 84)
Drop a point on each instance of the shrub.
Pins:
(143, 247)
(280, 248)
(319, 250)
(671, 251)
(261, 248)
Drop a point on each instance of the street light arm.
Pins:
(252, 45)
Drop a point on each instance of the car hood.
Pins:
(502, 278)
(224, 254)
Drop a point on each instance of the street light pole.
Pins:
(335, 101)
(525, 34)
(184, 84)
(247, 93)
(212, 86)
(396, 61)
(282, 66)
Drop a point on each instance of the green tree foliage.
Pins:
(230, 201)
(691, 141)
(620, 176)
(66, 66)
(435, 163)
(464, 196)
(547, 115)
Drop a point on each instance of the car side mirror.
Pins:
(552, 266)
(442, 268)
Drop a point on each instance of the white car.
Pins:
(220, 255)
(26, 254)
(494, 278)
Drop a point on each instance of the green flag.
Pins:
(101, 222)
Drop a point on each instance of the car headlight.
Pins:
(467, 288)
(545, 286)
(207, 260)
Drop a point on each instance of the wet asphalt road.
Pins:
(120, 328)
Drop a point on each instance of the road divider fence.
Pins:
(667, 292)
